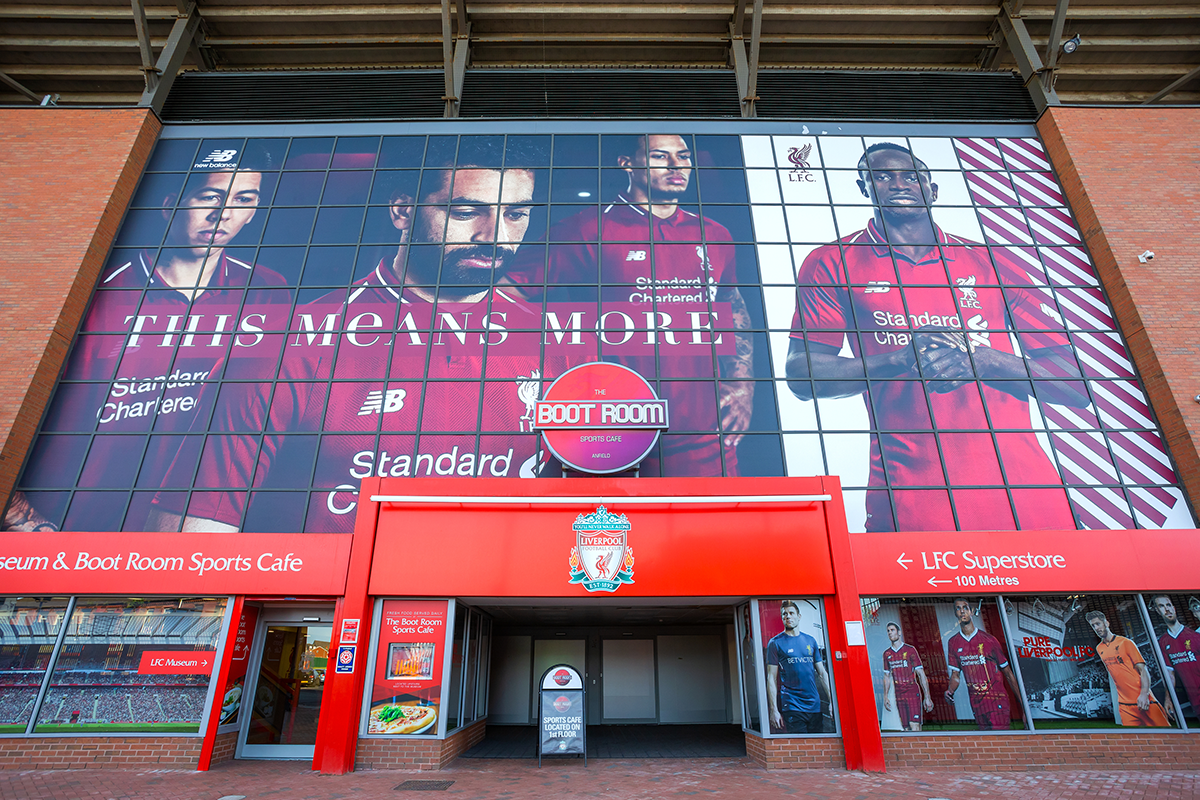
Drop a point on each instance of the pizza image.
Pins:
(399, 718)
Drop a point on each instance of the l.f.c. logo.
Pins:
(601, 559)
(799, 158)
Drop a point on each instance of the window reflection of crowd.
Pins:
(1084, 695)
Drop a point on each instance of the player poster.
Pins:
(940, 664)
(795, 666)
(282, 317)
(1087, 662)
(235, 683)
(406, 689)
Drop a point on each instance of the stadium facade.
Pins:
(329, 430)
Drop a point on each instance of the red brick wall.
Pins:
(80, 752)
(431, 754)
(823, 753)
(224, 748)
(1130, 176)
(1117, 750)
(68, 175)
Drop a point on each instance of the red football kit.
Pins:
(902, 663)
(1182, 653)
(980, 658)
(671, 268)
(860, 283)
(483, 361)
(156, 356)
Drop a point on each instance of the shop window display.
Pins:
(1087, 661)
(940, 664)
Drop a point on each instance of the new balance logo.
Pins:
(877, 287)
(636, 255)
(217, 158)
(380, 402)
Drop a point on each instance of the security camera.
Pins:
(1146, 256)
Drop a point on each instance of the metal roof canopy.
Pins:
(91, 52)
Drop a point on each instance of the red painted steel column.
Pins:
(222, 677)
(341, 703)
(855, 690)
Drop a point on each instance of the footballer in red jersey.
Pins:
(353, 363)
(647, 251)
(155, 339)
(1180, 647)
(904, 672)
(931, 318)
(975, 656)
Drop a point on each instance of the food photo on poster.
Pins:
(795, 666)
(940, 664)
(915, 314)
(1087, 661)
(406, 685)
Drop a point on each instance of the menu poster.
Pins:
(231, 701)
(406, 687)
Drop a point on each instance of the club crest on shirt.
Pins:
(601, 559)
(970, 298)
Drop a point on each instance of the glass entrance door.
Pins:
(289, 680)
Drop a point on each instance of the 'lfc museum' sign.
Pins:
(600, 418)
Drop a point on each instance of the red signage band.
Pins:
(174, 563)
(176, 662)
(1019, 562)
(665, 550)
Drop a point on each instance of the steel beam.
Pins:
(450, 97)
(143, 36)
(739, 18)
(751, 95)
(1171, 87)
(171, 58)
(1021, 46)
(1054, 43)
(13, 84)
(737, 54)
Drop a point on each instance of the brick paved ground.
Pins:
(738, 779)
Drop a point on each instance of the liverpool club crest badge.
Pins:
(601, 559)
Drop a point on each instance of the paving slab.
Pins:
(736, 779)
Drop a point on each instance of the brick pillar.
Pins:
(68, 176)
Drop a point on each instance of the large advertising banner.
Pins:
(912, 311)
(406, 689)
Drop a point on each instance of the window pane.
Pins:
(28, 629)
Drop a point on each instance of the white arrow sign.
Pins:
(904, 562)
(934, 582)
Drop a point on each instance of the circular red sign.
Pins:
(562, 677)
(590, 395)
(562, 703)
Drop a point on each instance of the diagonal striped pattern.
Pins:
(1102, 354)
(1038, 189)
(991, 189)
(1022, 155)
(1004, 226)
(1141, 458)
(1121, 404)
(1085, 309)
(1101, 508)
(1083, 458)
(979, 154)
(1069, 266)
(1052, 226)
(1159, 507)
